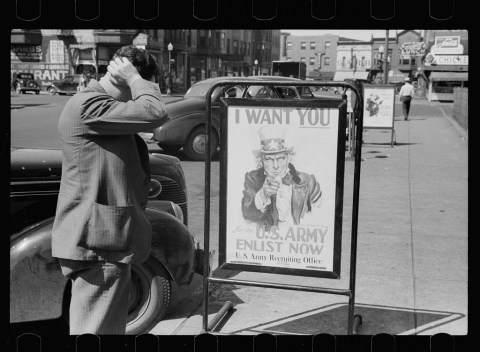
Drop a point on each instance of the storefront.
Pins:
(442, 84)
(446, 67)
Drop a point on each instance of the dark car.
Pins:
(39, 291)
(67, 85)
(186, 124)
(25, 82)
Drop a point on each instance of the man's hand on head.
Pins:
(122, 72)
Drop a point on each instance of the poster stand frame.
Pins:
(353, 320)
(393, 139)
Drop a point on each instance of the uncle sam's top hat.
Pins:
(272, 141)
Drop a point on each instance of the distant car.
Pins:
(25, 82)
(289, 92)
(67, 85)
(186, 124)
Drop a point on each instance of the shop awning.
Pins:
(343, 75)
(82, 46)
(449, 76)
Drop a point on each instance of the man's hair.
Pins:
(141, 59)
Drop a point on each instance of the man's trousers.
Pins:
(100, 293)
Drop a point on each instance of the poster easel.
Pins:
(379, 108)
(353, 320)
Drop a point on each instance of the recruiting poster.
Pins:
(379, 106)
(282, 180)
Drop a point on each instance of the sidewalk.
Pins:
(412, 257)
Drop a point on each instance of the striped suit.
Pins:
(103, 194)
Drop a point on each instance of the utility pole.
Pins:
(385, 61)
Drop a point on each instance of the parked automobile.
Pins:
(39, 291)
(67, 85)
(186, 125)
(25, 82)
(288, 92)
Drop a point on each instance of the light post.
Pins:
(170, 48)
(256, 67)
(381, 49)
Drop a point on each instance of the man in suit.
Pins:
(276, 194)
(100, 225)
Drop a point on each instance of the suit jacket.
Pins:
(105, 175)
(305, 191)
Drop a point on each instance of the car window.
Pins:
(261, 92)
(305, 91)
(197, 90)
(287, 92)
(234, 92)
(68, 79)
(76, 79)
(25, 76)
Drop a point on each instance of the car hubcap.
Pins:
(199, 144)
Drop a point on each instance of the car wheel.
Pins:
(150, 294)
(196, 146)
(51, 90)
(169, 148)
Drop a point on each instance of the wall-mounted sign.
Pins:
(44, 73)
(413, 49)
(354, 57)
(25, 53)
(447, 45)
(57, 50)
(455, 60)
(282, 189)
(451, 59)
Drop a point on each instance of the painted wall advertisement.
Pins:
(354, 57)
(379, 106)
(281, 188)
(44, 73)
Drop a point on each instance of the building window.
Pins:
(289, 45)
(289, 58)
(313, 45)
(327, 45)
(303, 45)
(228, 46)
(302, 59)
(326, 61)
(312, 61)
(235, 46)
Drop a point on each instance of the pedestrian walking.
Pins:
(406, 95)
(83, 82)
(101, 226)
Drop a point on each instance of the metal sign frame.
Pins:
(330, 104)
(353, 320)
(367, 107)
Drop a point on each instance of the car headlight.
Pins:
(155, 188)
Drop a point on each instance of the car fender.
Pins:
(176, 131)
(34, 270)
(172, 244)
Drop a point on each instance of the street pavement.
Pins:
(412, 255)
